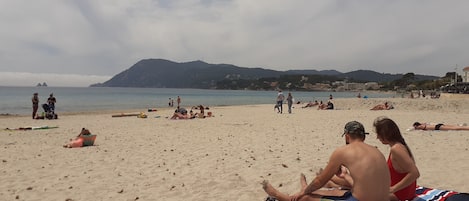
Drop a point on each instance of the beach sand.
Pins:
(220, 158)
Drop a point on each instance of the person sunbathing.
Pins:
(181, 113)
(446, 127)
(384, 106)
(78, 141)
(328, 106)
(178, 115)
(311, 104)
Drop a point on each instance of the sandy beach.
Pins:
(219, 158)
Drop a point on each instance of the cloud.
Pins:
(106, 37)
(56, 80)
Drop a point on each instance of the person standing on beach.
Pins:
(289, 101)
(179, 101)
(51, 101)
(369, 172)
(35, 101)
(280, 98)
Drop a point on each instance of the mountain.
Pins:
(160, 73)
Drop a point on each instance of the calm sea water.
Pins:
(17, 100)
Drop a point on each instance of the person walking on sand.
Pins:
(280, 98)
(35, 101)
(179, 101)
(289, 102)
(369, 172)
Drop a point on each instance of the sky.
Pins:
(82, 42)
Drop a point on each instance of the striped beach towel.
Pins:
(430, 194)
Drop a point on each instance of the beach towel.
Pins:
(429, 194)
(426, 194)
(124, 115)
(31, 128)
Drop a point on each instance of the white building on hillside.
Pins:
(466, 72)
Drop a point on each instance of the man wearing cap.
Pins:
(35, 101)
(367, 165)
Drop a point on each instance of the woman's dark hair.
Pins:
(388, 130)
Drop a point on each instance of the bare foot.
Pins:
(269, 189)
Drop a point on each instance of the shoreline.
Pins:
(341, 103)
(218, 157)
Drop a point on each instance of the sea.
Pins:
(17, 100)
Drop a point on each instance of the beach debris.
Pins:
(172, 187)
(152, 110)
(125, 115)
(68, 199)
(142, 115)
(121, 191)
(285, 166)
(29, 188)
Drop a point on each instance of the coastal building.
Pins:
(466, 72)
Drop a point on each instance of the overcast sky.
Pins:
(80, 42)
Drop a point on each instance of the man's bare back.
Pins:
(368, 169)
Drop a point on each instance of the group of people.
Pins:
(181, 113)
(49, 107)
(359, 171)
(321, 105)
(171, 102)
(281, 98)
(279, 102)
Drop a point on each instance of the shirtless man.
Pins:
(367, 165)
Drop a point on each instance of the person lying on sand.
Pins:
(384, 106)
(181, 113)
(446, 127)
(311, 104)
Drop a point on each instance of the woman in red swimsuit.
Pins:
(401, 163)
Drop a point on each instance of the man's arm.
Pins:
(333, 166)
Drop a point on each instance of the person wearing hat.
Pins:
(403, 171)
(35, 101)
(369, 172)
